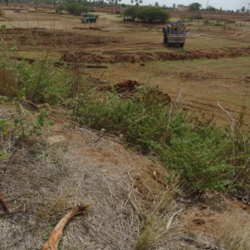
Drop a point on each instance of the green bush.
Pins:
(76, 9)
(200, 156)
(198, 152)
(59, 8)
(139, 119)
(147, 14)
(191, 18)
(206, 21)
(40, 82)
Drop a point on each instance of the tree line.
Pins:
(147, 14)
(198, 7)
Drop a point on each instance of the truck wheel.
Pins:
(181, 45)
(82, 21)
(94, 21)
(164, 39)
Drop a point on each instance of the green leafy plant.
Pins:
(40, 82)
(191, 18)
(206, 21)
(76, 9)
(147, 14)
(200, 156)
(198, 151)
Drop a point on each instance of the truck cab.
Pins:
(87, 18)
(114, 10)
(175, 33)
(199, 16)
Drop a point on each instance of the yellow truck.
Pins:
(199, 16)
(174, 34)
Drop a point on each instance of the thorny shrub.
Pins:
(39, 82)
(198, 151)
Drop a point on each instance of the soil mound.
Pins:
(157, 56)
(128, 88)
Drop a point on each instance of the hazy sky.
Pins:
(225, 4)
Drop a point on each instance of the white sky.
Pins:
(225, 4)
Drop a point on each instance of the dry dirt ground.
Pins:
(213, 66)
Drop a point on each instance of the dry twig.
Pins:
(4, 203)
(54, 239)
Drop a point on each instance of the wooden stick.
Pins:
(142, 216)
(4, 203)
(54, 239)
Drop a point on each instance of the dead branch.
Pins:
(54, 239)
(142, 216)
(172, 218)
(191, 240)
(4, 203)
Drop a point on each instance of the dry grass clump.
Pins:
(158, 222)
(30, 180)
(235, 234)
(40, 188)
(29, 184)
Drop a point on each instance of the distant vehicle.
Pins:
(127, 19)
(199, 16)
(114, 10)
(1, 12)
(175, 33)
(92, 9)
(87, 18)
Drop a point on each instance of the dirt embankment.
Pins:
(112, 57)
(56, 39)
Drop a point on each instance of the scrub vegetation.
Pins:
(184, 152)
(147, 14)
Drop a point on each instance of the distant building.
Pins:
(182, 7)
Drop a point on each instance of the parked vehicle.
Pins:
(127, 19)
(92, 9)
(199, 16)
(175, 33)
(1, 12)
(114, 10)
(87, 18)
